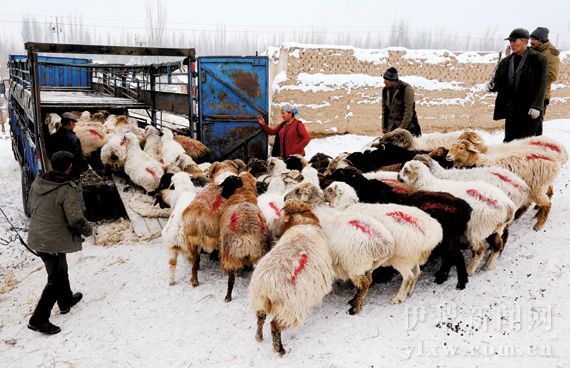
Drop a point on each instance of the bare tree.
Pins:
(156, 22)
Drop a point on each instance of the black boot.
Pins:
(46, 328)
(75, 298)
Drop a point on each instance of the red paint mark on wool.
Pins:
(437, 206)
(234, 222)
(261, 223)
(480, 197)
(297, 271)
(217, 203)
(363, 227)
(402, 217)
(507, 180)
(94, 132)
(276, 209)
(122, 143)
(399, 189)
(152, 173)
(536, 156)
(550, 146)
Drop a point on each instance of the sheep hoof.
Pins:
(354, 310)
(396, 300)
(171, 282)
(228, 299)
(194, 283)
(259, 337)
(538, 227)
(440, 278)
(281, 352)
(460, 286)
(352, 302)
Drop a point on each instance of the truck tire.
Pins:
(26, 186)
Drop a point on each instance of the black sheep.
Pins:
(451, 212)
(384, 155)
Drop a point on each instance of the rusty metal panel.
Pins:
(233, 91)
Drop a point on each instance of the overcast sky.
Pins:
(459, 16)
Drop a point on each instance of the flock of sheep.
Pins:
(303, 224)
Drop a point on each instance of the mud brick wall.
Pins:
(353, 105)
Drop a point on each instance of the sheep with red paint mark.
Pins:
(358, 243)
(202, 225)
(492, 209)
(451, 212)
(270, 205)
(538, 170)
(92, 136)
(510, 183)
(415, 233)
(539, 144)
(427, 142)
(294, 276)
(142, 169)
(244, 236)
(171, 149)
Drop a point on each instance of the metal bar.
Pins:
(36, 96)
(174, 103)
(108, 50)
(153, 99)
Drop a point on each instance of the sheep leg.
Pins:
(447, 251)
(521, 211)
(417, 272)
(231, 281)
(505, 235)
(172, 261)
(261, 315)
(478, 252)
(462, 278)
(195, 267)
(542, 216)
(496, 249)
(362, 284)
(407, 278)
(276, 334)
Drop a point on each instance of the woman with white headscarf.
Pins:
(291, 137)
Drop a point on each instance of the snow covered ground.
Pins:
(516, 315)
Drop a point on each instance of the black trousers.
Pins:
(519, 126)
(546, 102)
(57, 288)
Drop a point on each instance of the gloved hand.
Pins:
(534, 113)
(490, 86)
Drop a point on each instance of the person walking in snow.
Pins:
(520, 83)
(398, 105)
(56, 228)
(291, 136)
(539, 42)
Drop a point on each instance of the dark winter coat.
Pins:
(56, 222)
(552, 55)
(289, 140)
(399, 109)
(514, 103)
(66, 140)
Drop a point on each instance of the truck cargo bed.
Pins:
(86, 99)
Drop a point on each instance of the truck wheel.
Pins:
(26, 186)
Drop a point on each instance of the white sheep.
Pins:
(492, 209)
(114, 152)
(53, 122)
(153, 144)
(358, 243)
(294, 276)
(270, 205)
(415, 233)
(538, 170)
(170, 148)
(511, 184)
(179, 195)
(142, 169)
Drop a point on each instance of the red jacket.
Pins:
(292, 139)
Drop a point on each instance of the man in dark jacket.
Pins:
(398, 105)
(520, 81)
(66, 140)
(56, 228)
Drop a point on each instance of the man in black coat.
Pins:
(66, 140)
(520, 81)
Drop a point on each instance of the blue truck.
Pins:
(217, 100)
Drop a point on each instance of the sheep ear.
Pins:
(471, 147)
